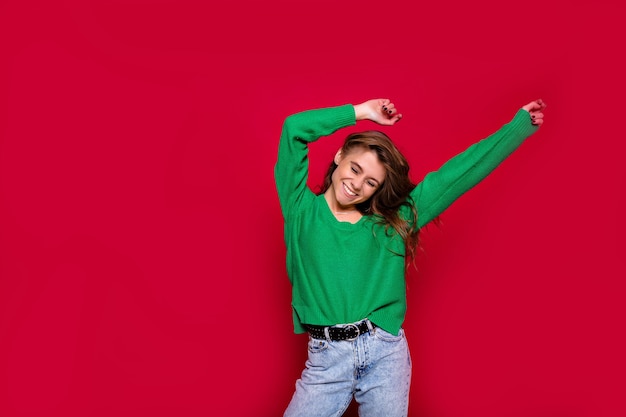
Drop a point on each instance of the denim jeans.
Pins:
(375, 369)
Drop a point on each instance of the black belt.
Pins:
(345, 332)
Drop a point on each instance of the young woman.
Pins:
(347, 250)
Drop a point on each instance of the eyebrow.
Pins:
(361, 168)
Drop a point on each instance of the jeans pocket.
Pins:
(385, 336)
(317, 345)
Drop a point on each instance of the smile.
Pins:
(348, 191)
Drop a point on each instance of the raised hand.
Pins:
(380, 110)
(535, 109)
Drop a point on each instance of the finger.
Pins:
(536, 118)
(533, 106)
(542, 104)
(395, 119)
(538, 104)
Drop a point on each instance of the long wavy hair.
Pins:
(393, 193)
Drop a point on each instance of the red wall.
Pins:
(141, 253)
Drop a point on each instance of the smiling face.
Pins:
(358, 175)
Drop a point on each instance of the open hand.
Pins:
(380, 110)
(535, 109)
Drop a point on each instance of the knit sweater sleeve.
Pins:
(439, 189)
(292, 167)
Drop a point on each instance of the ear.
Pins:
(338, 157)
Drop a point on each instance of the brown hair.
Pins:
(393, 192)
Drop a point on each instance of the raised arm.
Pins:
(441, 188)
(292, 167)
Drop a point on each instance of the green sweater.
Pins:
(342, 272)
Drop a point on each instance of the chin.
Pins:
(342, 200)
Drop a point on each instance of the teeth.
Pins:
(348, 190)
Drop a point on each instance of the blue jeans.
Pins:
(375, 369)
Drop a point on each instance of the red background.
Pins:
(141, 254)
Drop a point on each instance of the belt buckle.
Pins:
(356, 329)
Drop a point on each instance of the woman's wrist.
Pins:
(361, 112)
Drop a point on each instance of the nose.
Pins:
(357, 183)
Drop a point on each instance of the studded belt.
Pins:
(342, 332)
